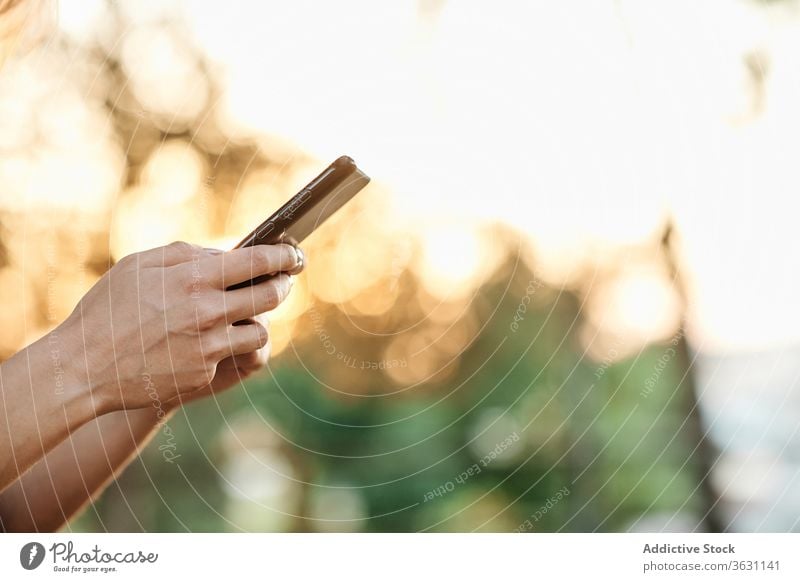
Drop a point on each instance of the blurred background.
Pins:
(567, 301)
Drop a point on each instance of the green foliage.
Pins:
(582, 427)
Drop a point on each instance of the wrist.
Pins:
(149, 415)
(79, 391)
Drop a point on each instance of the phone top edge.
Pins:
(341, 170)
(344, 161)
(362, 176)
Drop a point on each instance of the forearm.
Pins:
(43, 399)
(77, 470)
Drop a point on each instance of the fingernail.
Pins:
(301, 256)
(291, 281)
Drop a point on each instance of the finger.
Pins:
(250, 301)
(243, 339)
(301, 262)
(241, 265)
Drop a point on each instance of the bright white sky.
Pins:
(578, 122)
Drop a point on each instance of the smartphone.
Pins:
(308, 209)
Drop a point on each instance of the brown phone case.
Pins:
(308, 209)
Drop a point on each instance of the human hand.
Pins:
(159, 323)
(232, 370)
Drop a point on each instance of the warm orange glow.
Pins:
(626, 312)
(462, 113)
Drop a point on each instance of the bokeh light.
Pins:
(578, 231)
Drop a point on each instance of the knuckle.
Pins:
(128, 260)
(272, 295)
(185, 277)
(208, 315)
(181, 247)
